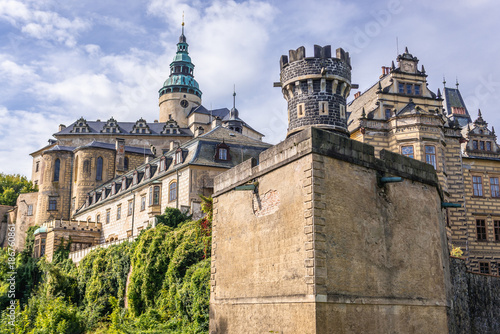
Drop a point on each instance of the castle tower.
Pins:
(180, 92)
(93, 165)
(316, 89)
(55, 184)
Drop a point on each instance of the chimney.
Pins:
(120, 154)
(199, 131)
(385, 70)
(62, 127)
(216, 122)
(357, 94)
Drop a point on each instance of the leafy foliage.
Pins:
(11, 186)
(172, 217)
(166, 270)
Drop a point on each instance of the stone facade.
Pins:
(316, 88)
(399, 113)
(304, 263)
(87, 157)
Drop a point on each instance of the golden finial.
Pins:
(183, 18)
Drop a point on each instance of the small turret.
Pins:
(316, 88)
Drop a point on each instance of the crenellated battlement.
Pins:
(324, 52)
(316, 88)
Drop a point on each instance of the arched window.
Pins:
(76, 169)
(98, 175)
(125, 164)
(172, 191)
(57, 166)
(86, 167)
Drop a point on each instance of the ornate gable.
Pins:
(141, 127)
(81, 126)
(111, 126)
(171, 128)
(481, 140)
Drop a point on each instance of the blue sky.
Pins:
(60, 60)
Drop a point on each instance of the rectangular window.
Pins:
(130, 208)
(301, 110)
(484, 267)
(37, 166)
(488, 146)
(156, 195)
(401, 88)
(30, 210)
(342, 111)
(143, 203)
(52, 204)
(118, 212)
(430, 156)
(407, 151)
(417, 89)
(477, 185)
(222, 154)
(481, 230)
(323, 107)
(474, 145)
(172, 192)
(108, 216)
(494, 187)
(496, 224)
(481, 145)
(409, 89)
(97, 218)
(387, 113)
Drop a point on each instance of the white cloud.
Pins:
(43, 25)
(23, 133)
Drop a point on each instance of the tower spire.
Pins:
(234, 96)
(182, 22)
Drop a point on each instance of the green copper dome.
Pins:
(181, 77)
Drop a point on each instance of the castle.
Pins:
(351, 235)
(104, 181)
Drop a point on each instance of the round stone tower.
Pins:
(316, 89)
(180, 92)
(54, 188)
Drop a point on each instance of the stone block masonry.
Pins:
(321, 246)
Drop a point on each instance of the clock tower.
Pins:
(180, 92)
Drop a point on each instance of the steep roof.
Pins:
(453, 99)
(130, 149)
(96, 127)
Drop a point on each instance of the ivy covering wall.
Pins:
(157, 284)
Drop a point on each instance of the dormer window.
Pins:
(141, 127)
(81, 126)
(162, 164)
(488, 146)
(222, 152)
(178, 156)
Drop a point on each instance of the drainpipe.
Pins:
(133, 214)
(177, 191)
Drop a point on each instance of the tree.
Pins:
(12, 185)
